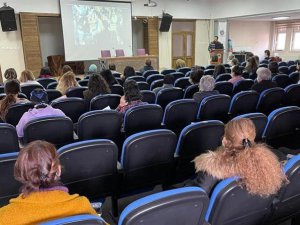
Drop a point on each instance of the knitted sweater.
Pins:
(42, 206)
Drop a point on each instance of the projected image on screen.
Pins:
(90, 27)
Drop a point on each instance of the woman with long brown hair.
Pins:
(251, 65)
(12, 89)
(257, 167)
(43, 197)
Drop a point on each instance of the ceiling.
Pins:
(294, 15)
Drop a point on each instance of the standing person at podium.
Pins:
(215, 44)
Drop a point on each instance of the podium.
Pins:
(216, 53)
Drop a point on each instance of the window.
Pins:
(296, 41)
(280, 43)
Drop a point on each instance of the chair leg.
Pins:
(114, 204)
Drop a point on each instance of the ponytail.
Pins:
(5, 104)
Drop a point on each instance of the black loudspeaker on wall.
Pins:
(165, 22)
(8, 19)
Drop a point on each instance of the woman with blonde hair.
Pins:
(255, 164)
(66, 82)
(27, 77)
(180, 63)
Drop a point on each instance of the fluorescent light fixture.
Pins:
(280, 18)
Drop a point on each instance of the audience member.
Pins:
(112, 67)
(257, 59)
(273, 67)
(196, 76)
(92, 69)
(168, 83)
(267, 55)
(206, 88)
(12, 89)
(236, 75)
(180, 63)
(66, 68)
(43, 197)
(96, 86)
(258, 169)
(45, 72)
(248, 55)
(263, 80)
(132, 97)
(128, 72)
(41, 109)
(251, 66)
(66, 82)
(108, 77)
(196, 67)
(230, 58)
(27, 77)
(234, 62)
(10, 74)
(147, 66)
(219, 69)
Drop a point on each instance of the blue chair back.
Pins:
(224, 87)
(269, 100)
(9, 140)
(167, 95)
(148, 96)
(243, 102)
(292, 95)
(191, 90)
(77, 220)
(184, 70)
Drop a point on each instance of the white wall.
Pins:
(250, 36)
(137, 35)
(165, 49)
(51, 37)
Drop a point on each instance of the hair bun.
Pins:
(246, 143)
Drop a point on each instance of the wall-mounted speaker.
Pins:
(165, 22)
(8, 19)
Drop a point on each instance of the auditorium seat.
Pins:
(154, 77)
(227, 70)
(77, 220)
(265, 61)
(117, 89)
(188, 74)
(294, 77)
(194, 140)
(230, 204)
(76, 92)
(177, 75)
(72, 107)
(282, 80)
(263, 65)
(290, 63)
(191, 90)
(243, 63)
(283, 69)
(210, 67)
(143, 85)
(116, 74)
(167, 71)
(83, 83)
(269, 100)
(28, 88)
(223, 77)
(9, 186)
(184, 70)
(292, 95)
(243, 102)
(182, 83)
(242, 85)
(156, 83)
(9, 139)
(149, 72)
(140, 51)
(282, 64)
(138, 73)
(224, 87)
(89, 168)
(214, 107)
(288, 204)
(16, 111)
(102, 101)
(142, 118)
(167, 95)
(1, 89)
(167, 208)
(147, 160)
(52, 85)
(105, 53)
(209, 71)
(292, 69)
(120, 53)
(282, 129)
(136, 78)
(253, 76)
(180, 113)
(260, 121)
(104, 124)
(226, 65)
(57, 130)
(119, 81)
(53, 94)
(45, 81)
(148, 96)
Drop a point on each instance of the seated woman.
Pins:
(206, 88)
(219, 69)
(256, 165)
(263, 80)
(251, 65)
(27, 77)
(41, 109)
(132, 97)
(12, 89)
(128, 72)
(10, 74)
(236, 75)
(108, 77)
(43, 197)
(180, 63)
(196, 76)
(96, 86)
(66, 82)
(45, 72)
